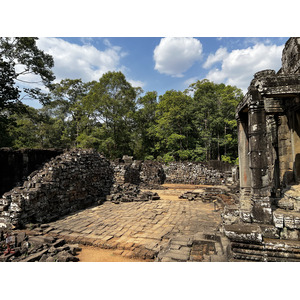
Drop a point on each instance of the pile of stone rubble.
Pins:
(152, 175)
(128, 192)
(147, 174)
(32, 246)
(209, 195)
(71, 181)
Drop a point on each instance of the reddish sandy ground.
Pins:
(95, 254)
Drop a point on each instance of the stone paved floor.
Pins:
(164, 230)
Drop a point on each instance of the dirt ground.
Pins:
(94, 254)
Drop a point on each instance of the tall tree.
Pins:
(214, 111)
(145, 119)
(23, 57)
(67, 107)
(113, 102)
(174, 127)
(20, 56)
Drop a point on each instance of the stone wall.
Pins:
(146, 174)
(151, 174)
(16, 165)
(213, 173)
(69, 182)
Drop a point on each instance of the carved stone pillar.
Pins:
(260, 183)
(244, 170)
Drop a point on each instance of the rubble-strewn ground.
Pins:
(169, 229)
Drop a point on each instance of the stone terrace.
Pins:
(161, 230)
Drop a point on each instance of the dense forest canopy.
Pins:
(111, 116)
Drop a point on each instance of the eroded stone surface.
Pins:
(269, 156)
(69, 182)
(145, 229)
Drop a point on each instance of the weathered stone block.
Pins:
(243, 232)
(50, 193)
(269, 231)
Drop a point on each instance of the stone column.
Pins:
(244, 170)
(258, 162)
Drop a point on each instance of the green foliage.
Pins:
(144, 119)
(19, 57)
(67, 109)
(173, 128)
(111, 101)
(149, 157)
(214, 111)
(168, 158)
(111, 116)
(24, 53)
(226, 158)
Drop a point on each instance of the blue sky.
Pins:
(161, 64)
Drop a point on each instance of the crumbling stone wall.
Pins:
(16, 165)
(69, 182)
(151, 174)
(146, 174)
(198, 173)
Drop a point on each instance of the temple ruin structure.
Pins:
(265, 225)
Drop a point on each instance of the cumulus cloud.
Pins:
(173, 56)
(220, 54)
(81, 61)
(238, 67)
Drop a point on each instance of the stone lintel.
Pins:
(243, 105)
(273, 105)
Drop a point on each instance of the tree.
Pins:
(174, 128)
(8, 94)
(67, 108)
(32, 128)
(145, 118)
(214, 110)
(22, 57)
(111, 102)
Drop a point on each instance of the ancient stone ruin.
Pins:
(62, 187)
(210, 173)
(36, 190)
(18, 164)
(71, 181)
(265, 225)
(146, 174)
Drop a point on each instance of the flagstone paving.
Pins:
(161, 230)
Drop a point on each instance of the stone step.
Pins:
(266, 253)
(269, 250)
(286, 218)
(244, 233)
(242, 257)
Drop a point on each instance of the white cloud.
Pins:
(81, 61)
(238, 67)
(220, 54)
(136, 83)
(173, 56)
